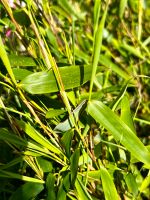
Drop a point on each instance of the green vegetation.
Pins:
(74, 99)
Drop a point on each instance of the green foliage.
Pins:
(74, 99)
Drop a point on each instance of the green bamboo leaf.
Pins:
(122, 6)
(12, 163)
(44, 164)
(21, 61)
(74, 165)
(131, 184)
(45, 82)
(69, 8)
(20, 74)
(13, 139)
(97, 7)
(64, 187)
(132, 50)
(97, 47)
(82, 193)
(27, 191)
(126, 113)
(108, 185)
(39, 138)
(145, 183)
(5, 59)
(66, 142)
(51, 113)
(95, 174)
(67, 124)
(104, 60)
(11, 175)
(19, 142)
(121, 132)
(50, 181)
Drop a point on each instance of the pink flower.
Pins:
(8, 33)
(11, 3)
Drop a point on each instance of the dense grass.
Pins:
(74, 104)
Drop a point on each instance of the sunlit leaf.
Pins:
(45, 82)
(108, 185)
(120, 131)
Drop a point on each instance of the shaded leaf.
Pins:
(27, 191)
(39, 138)
(50, 181)
(66, 142)
(64, 187)
(74, 165)
(7, 174)
(67, 124)
(45, 165)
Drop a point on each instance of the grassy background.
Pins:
(74, 104)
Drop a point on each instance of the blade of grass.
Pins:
(122, 6)
(109, 188)
(6, 62)
(7, 174)
(97, 47)
(35, 135)
(81, 190)
(45, 82)
(120, 131)
(126, 113)
(27, 191)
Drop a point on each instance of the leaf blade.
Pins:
(121, 132)
(108, 185)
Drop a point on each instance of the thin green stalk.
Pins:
(97, 10)
(97, 48)
(141, 120)
(73, 40)
(140, 13)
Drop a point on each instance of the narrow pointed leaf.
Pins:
(64, 187)
(104, 60)
(7, 174)
(27, 191)
(121, 132)
(66, 142)
(45, 82)
(35, 135)
(131, 184)
(67, 124)
(81, 190)
(50, 181)
(108, 185)
(122, 6)
(97, 47)
(5, 59)
(126, 113)
(74, 165)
